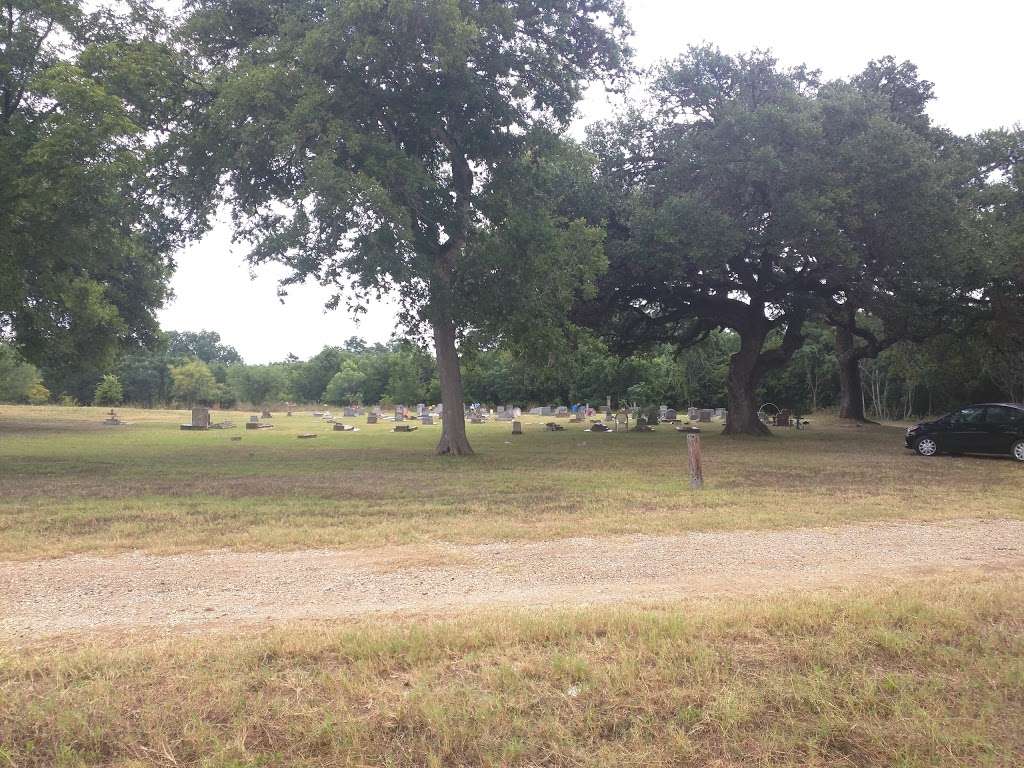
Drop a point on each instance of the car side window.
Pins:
(968, 416)
(1000, 416)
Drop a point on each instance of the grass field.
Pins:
(905, 670)
(928, 673)
(69, 484)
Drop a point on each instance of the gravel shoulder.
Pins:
(49, 598)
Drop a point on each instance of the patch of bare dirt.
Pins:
(48, 598)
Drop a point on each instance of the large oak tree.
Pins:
(755, 198)
(720, 215)
(391, 146)
(900, 181)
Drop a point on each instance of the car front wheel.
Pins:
(1018, 450)
(926, 446)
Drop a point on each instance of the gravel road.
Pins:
(46, 598)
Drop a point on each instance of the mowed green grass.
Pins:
(918, 674)
(69, 484)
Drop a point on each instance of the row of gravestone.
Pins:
(706, 414)
(201, 416)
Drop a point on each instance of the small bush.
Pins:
(38, 395)
(17, 377)
(108, 391)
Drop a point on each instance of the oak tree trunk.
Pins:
(851, 393)
(744, 376)
(453, 418)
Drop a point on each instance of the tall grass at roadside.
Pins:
(921, 674)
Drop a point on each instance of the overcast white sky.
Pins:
(972, 52)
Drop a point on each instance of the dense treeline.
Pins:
(905, 380)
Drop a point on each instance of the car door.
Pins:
(966, 432)
(1002, 425)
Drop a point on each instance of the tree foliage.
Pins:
(17, 377)
(201, 345)
(108, 391)
(757, 199)
(377, 146)
(84, 249)
(192, 383)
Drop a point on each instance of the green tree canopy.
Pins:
(17, 377)
(84, 249)
(258, 384)
(899, 182)
(756, 199)
(346, 386)
(201, 345)
(193, 383)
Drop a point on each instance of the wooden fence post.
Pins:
(696, 467)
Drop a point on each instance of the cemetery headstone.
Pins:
(371, 418)
(706, 414)
(200, 418)
(427, 420)
(517, 427)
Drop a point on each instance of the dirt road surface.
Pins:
(46, 598)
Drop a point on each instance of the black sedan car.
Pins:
(985, 428)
